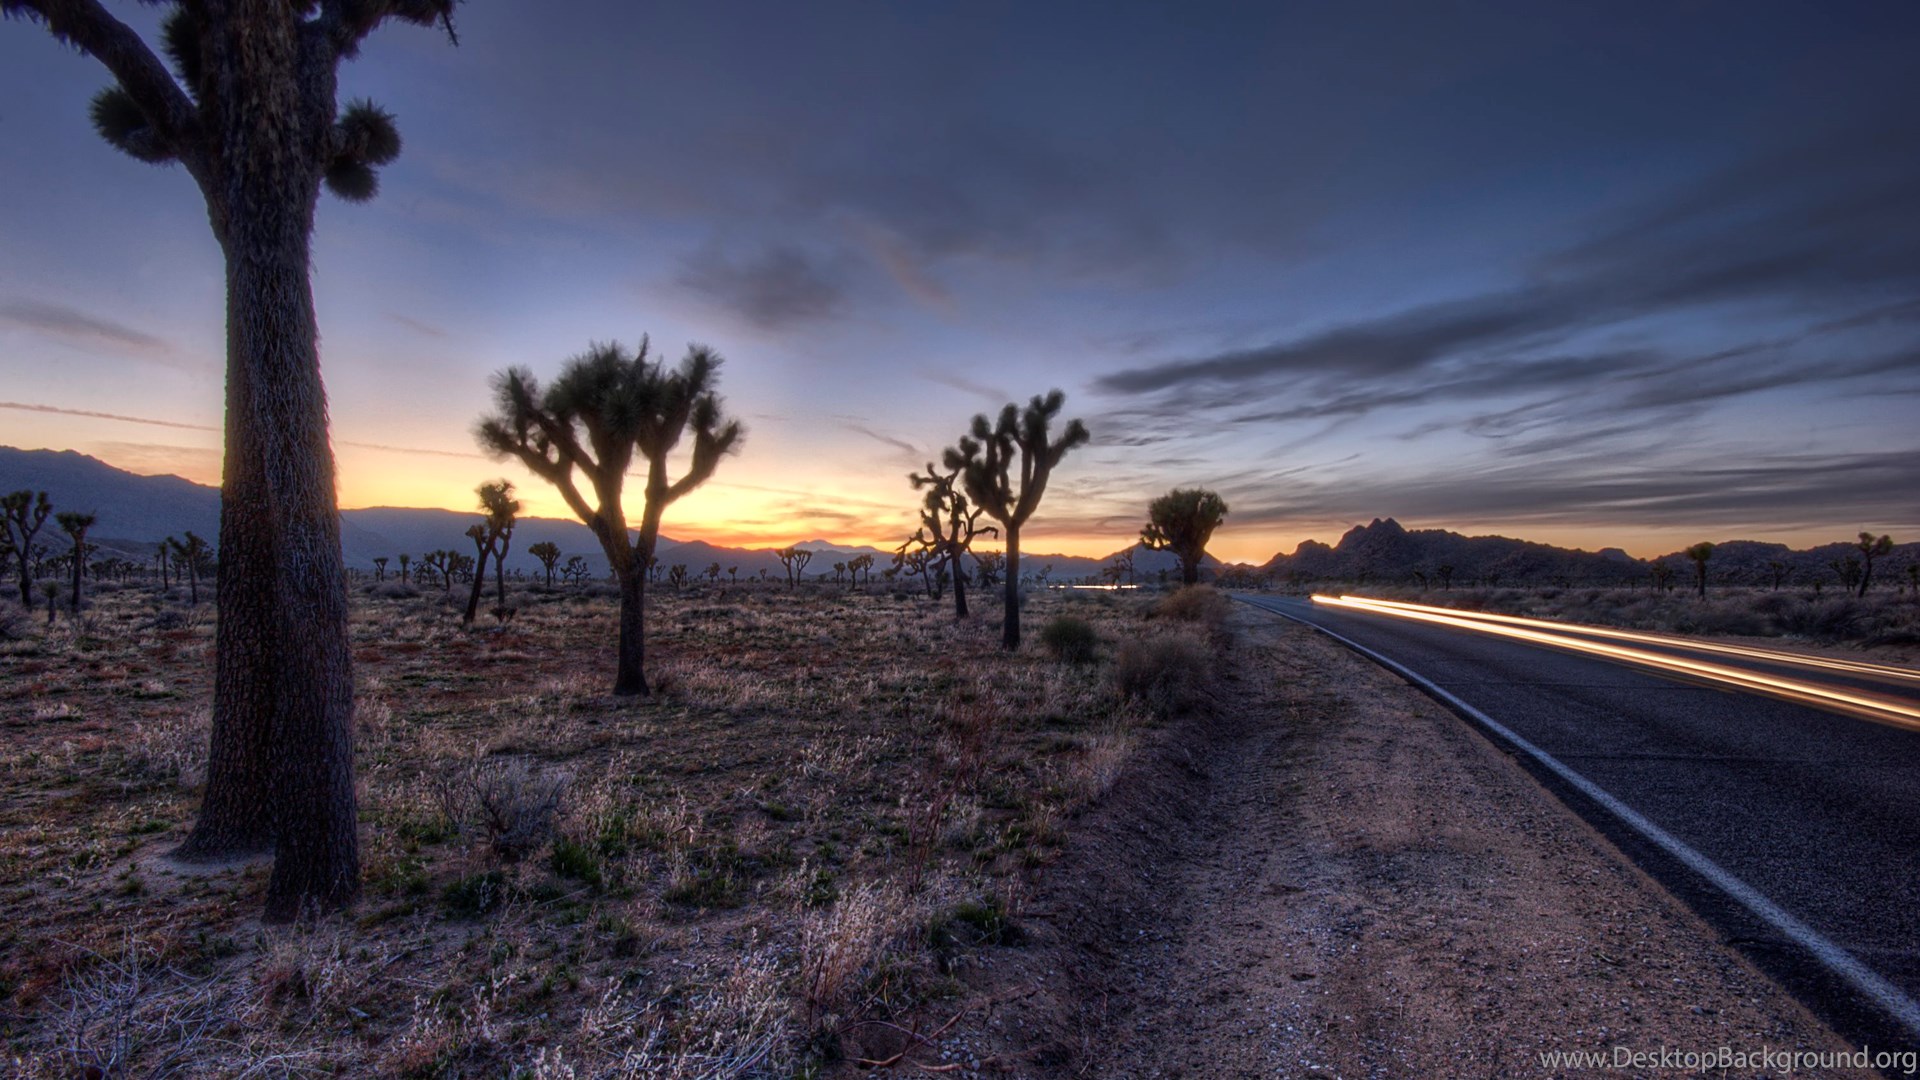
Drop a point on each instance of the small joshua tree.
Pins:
(160, 561)
(502, 510)
(379, 568)
(548, 553)
(860, 564)
(607, 406)
(191, 556)
(677, 575)
(24, 514)
(1700, 553)
(1871, 548)
(795, 559)
(987, 567)
(404, 559)
(1121, 566)
(1777, 570)
(75, 525)
(1004, 467)
(1445, 570)
(948, 526)
(1182, 521)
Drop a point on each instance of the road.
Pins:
(1817, 812)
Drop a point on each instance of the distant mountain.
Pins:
(1385, 551)
(135, 512)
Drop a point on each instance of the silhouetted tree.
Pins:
(1004, 468)
(677, 575)
(1445, 571)
(24, 514)
(795, 559)
(1700, 553)
(403, 567)
(987, 567)
(548, 553)
(861, 564)
(502, 510)
(1778, 571)
(1121, 565)
(160, 561)
(250, 112)
(575, 570)
(1871, 548)
(75, 525)
(1182, 521)
(192, 554)
(605, 406)
(379, 568)
(713, 574)
(948, 526)
(733, 575)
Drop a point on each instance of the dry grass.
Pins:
(731, 878)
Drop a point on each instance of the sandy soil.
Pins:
(1334, 876)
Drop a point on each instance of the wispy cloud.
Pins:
(26, 406)
(774, 289)
(78, 328)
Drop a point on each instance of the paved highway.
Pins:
(1794, 830)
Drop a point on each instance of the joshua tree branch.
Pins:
(87, 26)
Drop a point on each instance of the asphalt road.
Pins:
(1817, 812)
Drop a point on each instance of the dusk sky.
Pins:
(1600, 274)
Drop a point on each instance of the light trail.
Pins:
(1772, 656)
(1866, 706)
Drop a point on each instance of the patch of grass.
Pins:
(1070, 640)
(576, 861)
(475, 895)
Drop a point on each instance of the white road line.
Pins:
(1835, 959)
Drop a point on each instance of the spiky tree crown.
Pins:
(606, 405)
(986, 457)
(1183, 519)
(161, 116)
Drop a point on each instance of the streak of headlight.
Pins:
(1772, 656)
(1854, 703)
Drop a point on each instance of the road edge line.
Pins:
(1838, 961)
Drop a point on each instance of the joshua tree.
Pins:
(713, 573)
(502, 509)
(548, 553)
(1913, 579)
(1182, 521)
(160, 561)
(23, 515)
(733, 575)
(1700, 553)
(677, 575)
(948, 526)
(50, 590)
(250, 111)
(860, 564)
(1777, 570)
(193, 556)
(575, 570)
(1121, 566)
(1445, 570)
(75, 525)
(605, 407)
(795, 559)
(1872, 548)
(987, 567)
(482, 543)
(380, 568)
(1661, 577)
(988, 459)
(404, 559)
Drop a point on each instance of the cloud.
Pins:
(75, 327)
(778, 288)
(425, 329)
(26, 406)
(902, 445)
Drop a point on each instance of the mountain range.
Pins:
(135, 512)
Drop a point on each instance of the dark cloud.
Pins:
(77, 327)
(1773, 492)
(778, 288)
(426, 329)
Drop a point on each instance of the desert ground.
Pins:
(1170, 837)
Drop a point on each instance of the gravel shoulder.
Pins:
(1332, 875)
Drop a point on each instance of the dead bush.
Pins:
(1169, 673)
(1200, 604)
(505, 798)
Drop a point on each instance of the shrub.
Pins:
(1202, 604)
(395, 590)
(475, 895)
(1070, 640)
(1169, 673)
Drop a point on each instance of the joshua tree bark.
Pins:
(986, 459)
(605, 407)
(253, 118)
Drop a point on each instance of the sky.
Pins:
(1599, 274)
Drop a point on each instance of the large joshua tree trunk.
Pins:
(1010, 625)
(281, 770)
(630, 677)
